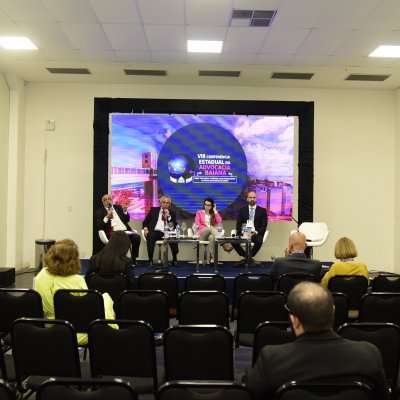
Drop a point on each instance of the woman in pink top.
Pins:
(207, 219)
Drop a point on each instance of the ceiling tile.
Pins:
(169, 57)
(208, 12)
(86, 36)
(205, 33)
(133, 56)
(284, 41)
(166, 38)
(249, 40)
(26, 10)
(126, 36)
(116, 11)
(384, 16)
(238, 58)
(169, 12)
(98, 55)
(70, 10)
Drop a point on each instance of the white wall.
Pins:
(355, 161)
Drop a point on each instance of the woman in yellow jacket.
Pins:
(345, 251)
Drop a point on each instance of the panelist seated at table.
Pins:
(153, 228)
(259, 218)
(207, 220)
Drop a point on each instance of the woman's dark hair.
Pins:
(211, 211)
(112, 257)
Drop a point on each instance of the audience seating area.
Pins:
(170, 345)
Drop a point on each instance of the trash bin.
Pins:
(42, 246)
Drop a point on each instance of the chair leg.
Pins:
(159, 254)
(205, 255)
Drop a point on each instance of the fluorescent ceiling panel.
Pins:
(16, 43)
(204, 46)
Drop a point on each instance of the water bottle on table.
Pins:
(178, 231)
(166, 232)
(195, 229)
(219, 230)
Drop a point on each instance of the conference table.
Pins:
(182, 240)
(232, 240)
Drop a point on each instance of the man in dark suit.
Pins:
(295, 259)
(153, 228)
(318, 353)
(258, 215)
(114, 217)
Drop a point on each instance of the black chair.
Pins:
(253, 282)
(186, 390)
(198, 352)
(150, 306)
(204, 282)
(207, 307)
(320, 391)
(386, 283)
(380, 307)
(127, 352)
(286, 282)
(6, 391)
(113, 284)
(385, 336)
(41, 352)
(166, 282)
(354, 286)
(85, 389)
(268, 333)
(14, 304)
(341, 302)
(254, 308)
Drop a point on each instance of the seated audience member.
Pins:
(317, 353)
(113, 218)
(62, 268)
(113, 258)
(345, 251)
(207, 219)
(295, 259)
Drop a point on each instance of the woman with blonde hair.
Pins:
(345, 251)
(62, 271)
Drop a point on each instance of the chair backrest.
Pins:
(380, 307)
(341, 303)
(150, 306)
(318, 391)
(128, 351)
(112, 283)
(247, 281)
(44, 351)
(166, 282)
(6, 391)
(386, 283)
(103, 237)
(203, 307)
(77, 389)
(314, 231)
(268, 333)
(287, 282)
(184, 390)
(199, 352)
(204, 282)
(354, 286)
(18, 303)
(256, 307)
(80, 307)
(385, 336)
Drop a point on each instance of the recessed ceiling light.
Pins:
(16, 43)
(204, 46)
(386, 51)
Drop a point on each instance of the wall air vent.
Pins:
(146, 72)
(367, 78)
(227, 74)
(291, 75)
(71, 71)
(255, 18)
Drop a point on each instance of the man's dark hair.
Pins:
(312, 304)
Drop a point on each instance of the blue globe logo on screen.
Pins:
(180, 168)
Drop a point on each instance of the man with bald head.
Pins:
(295, 259)
(317, 353)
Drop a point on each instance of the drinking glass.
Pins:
(183, 227)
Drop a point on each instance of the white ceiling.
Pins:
(330, 38)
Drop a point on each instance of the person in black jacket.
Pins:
(114, 217)
(317, 353)
(153, 227)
